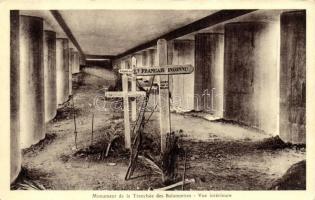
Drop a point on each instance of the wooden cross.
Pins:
(133, 89)
(164, 96)
(125, 95)
(164, 71)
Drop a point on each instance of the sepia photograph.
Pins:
(158, 100)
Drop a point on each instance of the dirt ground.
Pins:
(221, 155)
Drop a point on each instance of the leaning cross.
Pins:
(164, 71)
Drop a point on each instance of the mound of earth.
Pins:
(293, 179)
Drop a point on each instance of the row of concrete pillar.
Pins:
(253, 73)
(41, 79)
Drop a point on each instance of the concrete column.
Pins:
(154, 58)
(151, 57)
(138, 57)
(116, 64)
(71, 66)
(251, 79)
(15, 149)
(144, 58)
(201, 61)
(127, 60)
(153, 100)
(153, 63)
(209, 73)
(82, 60)
(32, 97)
(183, 85)
(71, 60)
(170, 47)
(62, 70)
(293, 77)
(50, 75)
(76, 63)
(145, 63)
(139, 63)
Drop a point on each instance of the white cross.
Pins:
(163, 70)
(125, 95)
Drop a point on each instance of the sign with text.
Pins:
(122, 94)
(164, 70)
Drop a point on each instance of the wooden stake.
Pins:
(75, 125)
(110, 144)
(184, 173)
(177, 184)
(126, 108)
(165, 122)
(133, 89)
(92, 129)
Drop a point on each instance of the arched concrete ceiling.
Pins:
(111, 32)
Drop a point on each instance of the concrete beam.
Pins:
(67, 30)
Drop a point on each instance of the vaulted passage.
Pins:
(216, 98)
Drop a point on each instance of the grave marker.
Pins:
(126, 109)
(122, 94)
(133, 89)
(163, 70)
(165, 118)
(125, 95)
